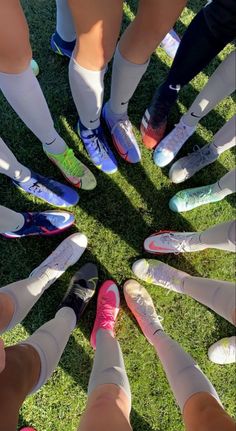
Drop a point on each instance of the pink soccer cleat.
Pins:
(108, 305)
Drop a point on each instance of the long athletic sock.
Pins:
(10, 166)
(226, 185)
(10, 221)
(24, 94)
(221, 236)
(24, 294)
(50, 341)
(197, 48)
(220, 85)
(183, 374)
(65, 25)
(87, 87)
(108, 367)
(225, 138)
(219, 296)
(125, 79)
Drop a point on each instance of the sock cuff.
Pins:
(119, 57)
(86, 72)
(16, 76)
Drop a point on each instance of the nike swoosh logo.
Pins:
(94, 121)
(113, 288)
(153, 247)
(93, 281)
(125, 103)
(176, 87)
(193, 115)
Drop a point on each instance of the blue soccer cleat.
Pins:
(43, 224)
(97, 148)
(49, 190)
(61, 47)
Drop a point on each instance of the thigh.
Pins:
(153, 21)
(15, 50)
(97, 27)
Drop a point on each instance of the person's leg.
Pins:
(64, 22)
(187, 166)
(64, 39)
(207, 40)
(188, 199)
(10, 166)
(10, 221)
(97, 28)
(30, 364)
(221, 236)
(219, 296)
(109, 397)
(22, 90)
(220, 85)
(190, 386)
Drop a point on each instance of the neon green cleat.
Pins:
(73, 170)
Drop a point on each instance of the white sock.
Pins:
(65, 24)
(226, 185)
(87, 87)
(24, 94)
(125, 79)
(183, 374)
(220, 236)
(24, 294)
(10, 221)
(10, 166)
(50, 341)
(225, 138)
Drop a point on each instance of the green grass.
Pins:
(116, 217)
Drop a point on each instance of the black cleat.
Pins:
(81, 289)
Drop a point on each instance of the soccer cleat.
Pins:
(123, 137)
(43, 224)
(171, 144)
(81, 289)
(73, 169)
(49, 190)
(28, 429)
(187, 166)
(141, 305)
(65, 255)
(156, 272)
(34, 67)
(61, 47)
(172, 242)
(152, 133)
(223, 352)
(170, 43)
(154, 121)
(188, 199)
(108, 305)
(97, 148)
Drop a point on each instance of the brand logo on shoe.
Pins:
(176, 87)
(153, 246)
(113, 288)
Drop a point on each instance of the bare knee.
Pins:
(15, 60)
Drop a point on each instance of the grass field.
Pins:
(116, 217)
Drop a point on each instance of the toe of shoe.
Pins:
(176, 204)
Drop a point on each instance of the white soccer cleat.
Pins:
(223, 351)
(156, 272)
(65, 255)
(141, 305)
(172, 242)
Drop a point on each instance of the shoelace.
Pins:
(71, 164)
(176, 137)
(96, 147)
(181, 244)
(45, 186)
(104, 312)
(126, 128)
